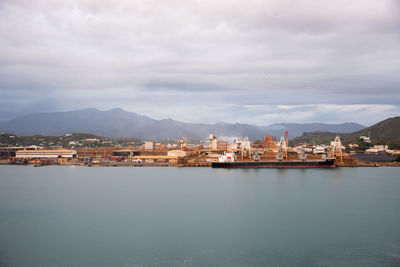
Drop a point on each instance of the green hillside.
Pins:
(316, 137)
(387, 129)
(385, 132)
(73, 140)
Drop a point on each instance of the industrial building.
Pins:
(155, 159)
(222, 145)
(176, 153)
(213, 141)
(8, 152)
(149, 145)
(46, 154)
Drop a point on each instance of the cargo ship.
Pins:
(228, 161)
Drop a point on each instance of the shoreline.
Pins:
(129, 164)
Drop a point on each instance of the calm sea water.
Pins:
(79, 216)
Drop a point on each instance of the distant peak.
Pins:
(85, 109)
(117, 110)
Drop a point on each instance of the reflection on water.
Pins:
(64, 216)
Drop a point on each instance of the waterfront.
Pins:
(76, 216)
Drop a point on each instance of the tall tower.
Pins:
(336, 147)
(287, 138)
(213, 141)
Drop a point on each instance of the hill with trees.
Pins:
(386, 132)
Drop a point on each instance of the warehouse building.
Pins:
(156, 159)
(46, 154)
(8, 152)
(176, 153)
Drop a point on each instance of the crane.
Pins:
(282, 149)
(336, 147)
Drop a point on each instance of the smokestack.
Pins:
(287, 138)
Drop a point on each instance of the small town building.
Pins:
(365, 139)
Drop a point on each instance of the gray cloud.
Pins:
(203, 60)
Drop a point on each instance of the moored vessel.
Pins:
(228, 161)
(281, 158)
(327, 163)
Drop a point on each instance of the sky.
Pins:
(247, 61)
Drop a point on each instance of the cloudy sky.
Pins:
(249, 61)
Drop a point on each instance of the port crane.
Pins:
(245, 147)
(336, 148)
(282, 149)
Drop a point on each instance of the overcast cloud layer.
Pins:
(203, 61)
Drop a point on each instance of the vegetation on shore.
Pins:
(386, 132)
(74, 140)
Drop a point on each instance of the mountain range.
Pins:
(117, 123)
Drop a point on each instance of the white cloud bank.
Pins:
(203, 60)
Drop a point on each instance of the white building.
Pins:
(365, 139)
(91, 140)
(74, 143)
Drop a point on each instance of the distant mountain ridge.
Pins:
(297, 129)
(117, 123)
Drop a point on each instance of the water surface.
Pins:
(79, 216)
